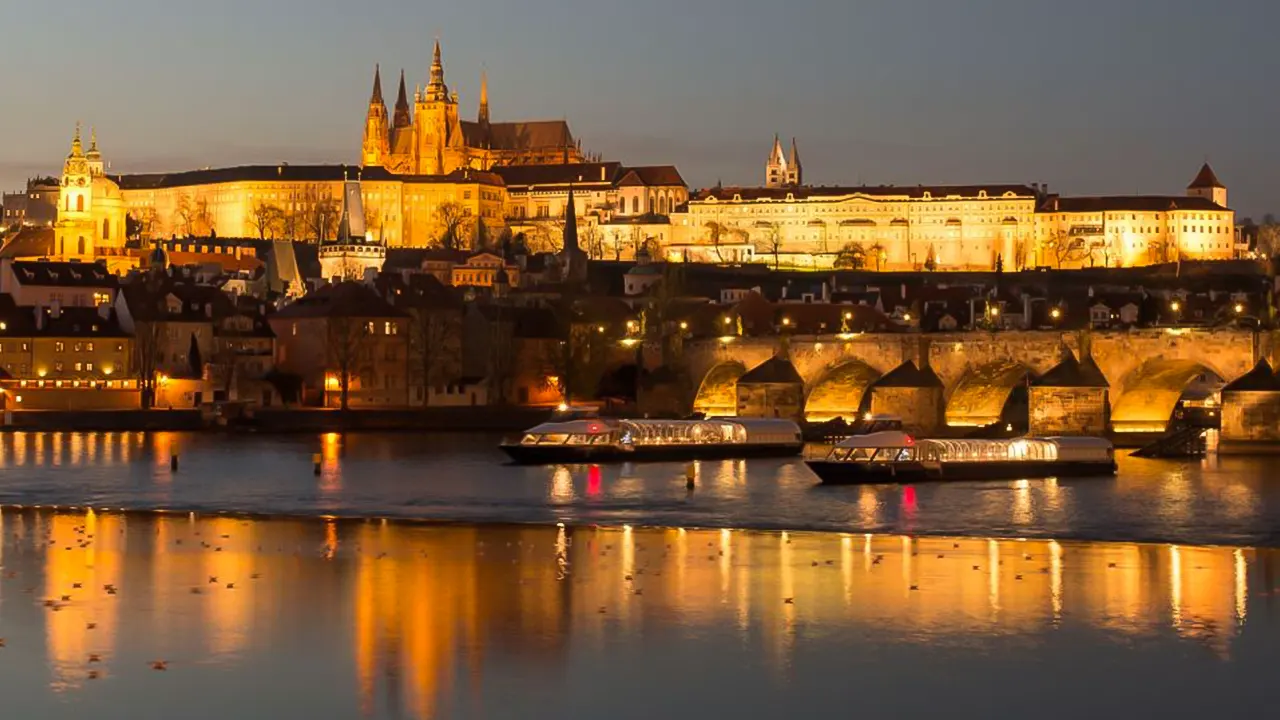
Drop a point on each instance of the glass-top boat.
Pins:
(592, 439)
(895, 456)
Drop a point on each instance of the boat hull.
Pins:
(561, 454)
(855, 473)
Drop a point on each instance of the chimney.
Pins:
(208, 310)
(39, 317)
(55, 309)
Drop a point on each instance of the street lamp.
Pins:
(1175, 306)
(1055, 313)
(1239, 308)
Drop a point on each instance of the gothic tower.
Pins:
(795, 175)
(402, 117)
(440, 143)
(377, 136)
(775, 174)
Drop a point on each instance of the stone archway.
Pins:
(979, 399)
(718, 392)
(840, 392)
(1149, 394)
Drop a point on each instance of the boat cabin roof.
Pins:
(886, 439)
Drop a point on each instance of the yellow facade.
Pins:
(305, 203)
(891, 228)
(951, 228)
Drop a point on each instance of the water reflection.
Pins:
(423, 613)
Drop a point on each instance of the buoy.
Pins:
(173, 462)
(315, 462)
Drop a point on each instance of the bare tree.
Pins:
(547, 235)
(773, 242)
(348, 350)
(593, 238)
(450, 222)
(148, 340)
(184, 214)
(931, 259)
(715, 234)
(319, 214)
(202, 219)
(1066, 249)
(267, 220)
(434, 345)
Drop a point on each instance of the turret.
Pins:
(76, 182)
(377, 142)
(484, 100)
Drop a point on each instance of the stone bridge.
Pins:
(1147, 370)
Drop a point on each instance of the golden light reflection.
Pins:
(330, 464)
(425, 604)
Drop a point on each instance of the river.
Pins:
(464, 478)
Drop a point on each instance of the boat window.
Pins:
(554, 439)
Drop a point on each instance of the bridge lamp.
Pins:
(848, 315)
(906, 317)
(1055, 313)
(684, 325)
(1175, 306)
(1239, 308)
(727, 320)
(994, 311)
(600, 329)
(786, 321)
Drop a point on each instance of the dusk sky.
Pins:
(1090, 96)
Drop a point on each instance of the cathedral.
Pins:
(430, 138)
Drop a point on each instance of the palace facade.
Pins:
(967, 227)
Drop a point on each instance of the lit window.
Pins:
(58, 346)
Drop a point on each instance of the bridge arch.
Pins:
(718, 392)
(1150, 393)
(841, 391)
(985, 393)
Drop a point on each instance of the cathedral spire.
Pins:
(484, 98)
(376, 99)
(402, 106)
(436, 89)
(794, 172)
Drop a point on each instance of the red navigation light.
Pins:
(593, 427)
(911, 440)
(909, 497)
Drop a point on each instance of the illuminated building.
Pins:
(431, 139)
(966, 227)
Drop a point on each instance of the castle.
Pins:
(431, 139)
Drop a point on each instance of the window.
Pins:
(79, 347)
(79, 367)
(88, 366)
(391, 328)
(57, 366)
(88, 347)
(58, 346)
(119, 347)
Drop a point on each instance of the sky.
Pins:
(1089, 96)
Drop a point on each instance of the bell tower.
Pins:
(440, 143)
(76, 196)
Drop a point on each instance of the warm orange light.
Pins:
(1239, 308)
(786, 321)
(1055, 313)
(684, 326)
(1175, 305)
(331, 382)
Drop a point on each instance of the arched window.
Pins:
(106, 229)
(635, 206)
(81, 245)
(79, 203)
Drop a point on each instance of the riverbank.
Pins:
(437, 419)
